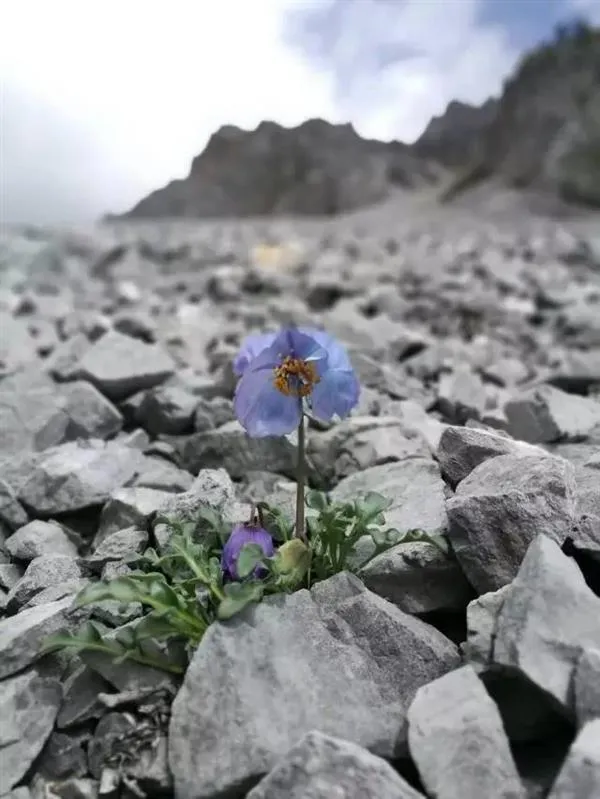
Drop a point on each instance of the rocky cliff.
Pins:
(545, 132)
(315, 168)
(454, 137)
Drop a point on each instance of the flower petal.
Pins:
(304, 346)
(338, 358)
(337, 393)
(240, 536)
(274, 354)
(250, 348)
(263, 410)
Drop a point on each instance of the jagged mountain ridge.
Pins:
(315, 168)
(453, 137)
(543, 132)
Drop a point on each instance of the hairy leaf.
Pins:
(237, 597)
(317, 500)
(249, 558)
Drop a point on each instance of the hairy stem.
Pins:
(300, 531)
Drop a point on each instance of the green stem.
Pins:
(300, 531)
(200, 575)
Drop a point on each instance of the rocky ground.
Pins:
(476, 675)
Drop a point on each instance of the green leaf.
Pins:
(317, 500)
(214, 571)
(439, 541)
(211, 517)
(126, 637)
(237, 597)
(156, 626)
(249, 558)
(121, 589)
(379, 536)
(87, 637)
(188, 529)
(161, 592)
(372, 504)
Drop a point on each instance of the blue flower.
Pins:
(278, 371)
(241, 535)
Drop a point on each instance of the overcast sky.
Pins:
(104, 101)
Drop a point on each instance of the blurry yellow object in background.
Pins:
(276, 256)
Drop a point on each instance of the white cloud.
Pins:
(107, 100)
(589, 8)
(445, 54)
(143, 83)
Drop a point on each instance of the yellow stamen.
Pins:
(295, 377)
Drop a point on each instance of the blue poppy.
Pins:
(280, 371)
(241, 535)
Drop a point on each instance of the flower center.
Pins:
(295, 377)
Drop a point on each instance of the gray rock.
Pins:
(122, 546)
(272, 488)
(580, 773)
(226, 735)
(213, 413)
(63, 756)
(458, 742)
(418, 578)
(507, 371)
(32, 421)
(120, 365)
(22, 635)
(10, 574)
(359, 443)
(63, 360)
(129, 507)
(3, 601)
(56, 591)
(43, 572)
(159, 474)
(546, 621)
(46, 416)
(11, 511)
(39, 538)
(482, 618)
(29, 704)
(231, 448)
(461, 449)
(135, 323)
(321, 767)
(586, 686)
(17, 346)
(78, 475)
(212, 487)
(110, 731)
(80, 698)
(90, 414)
(461, 395)
(167, 409)
(18, 793)
(501, 507)
(547, 414)
(416, 418)
(150, 768)
(415, 487)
